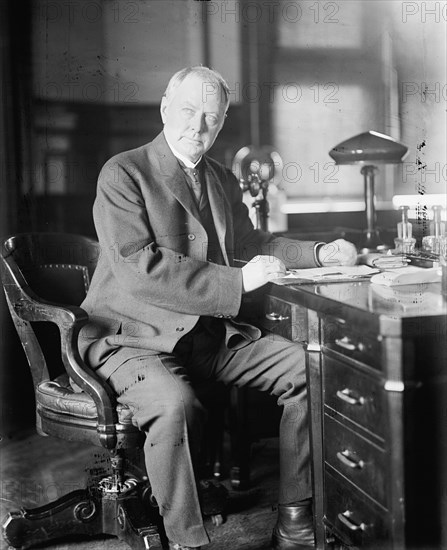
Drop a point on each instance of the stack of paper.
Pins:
(409, 275)
(327, 274)
(383, 261)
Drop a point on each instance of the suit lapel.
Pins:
(218, 205)
(173, 177)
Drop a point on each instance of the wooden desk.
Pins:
(377, 380)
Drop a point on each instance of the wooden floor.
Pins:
(35, 470)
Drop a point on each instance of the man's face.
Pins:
(193, 116)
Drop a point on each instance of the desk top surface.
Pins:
(388, 306)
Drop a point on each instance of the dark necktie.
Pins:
(196, 186)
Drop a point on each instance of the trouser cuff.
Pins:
(196, 535)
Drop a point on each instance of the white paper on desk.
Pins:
(335, 273)
(410, 275)
(383, 261)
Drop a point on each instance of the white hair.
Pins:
(206, 74)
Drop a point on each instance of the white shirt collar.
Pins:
(181, 157)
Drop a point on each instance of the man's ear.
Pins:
(223, 121)
(163, 107)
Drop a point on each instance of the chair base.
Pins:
(128, 515)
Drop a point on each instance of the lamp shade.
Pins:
(369, 148)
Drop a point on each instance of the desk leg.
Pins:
(314, 388)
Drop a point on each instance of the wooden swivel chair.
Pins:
(45, 278)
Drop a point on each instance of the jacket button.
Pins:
(191, 237)
(180, 329)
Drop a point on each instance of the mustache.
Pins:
(192, 138)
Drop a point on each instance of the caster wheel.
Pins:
(217, 519)
(214, 500)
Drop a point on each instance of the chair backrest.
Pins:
(56, 268)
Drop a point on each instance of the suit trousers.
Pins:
(159, 390)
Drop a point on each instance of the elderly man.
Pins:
(164, 302)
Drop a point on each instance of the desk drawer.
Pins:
(355, 395)
(287, 320)
(356, 458)
(356, 520)
(352, 342)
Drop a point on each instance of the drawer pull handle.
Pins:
(345, 458)
(346, 396)
(276, 317)
(344, 518)
(345, 343)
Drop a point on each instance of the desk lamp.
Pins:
(257, 168)
(369, 149)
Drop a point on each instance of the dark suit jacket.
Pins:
(152, 281)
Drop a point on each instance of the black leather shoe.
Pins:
(294, 529)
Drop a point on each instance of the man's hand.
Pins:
(261, 270)
(339, 252)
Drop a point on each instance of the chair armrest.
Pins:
(70, 320)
